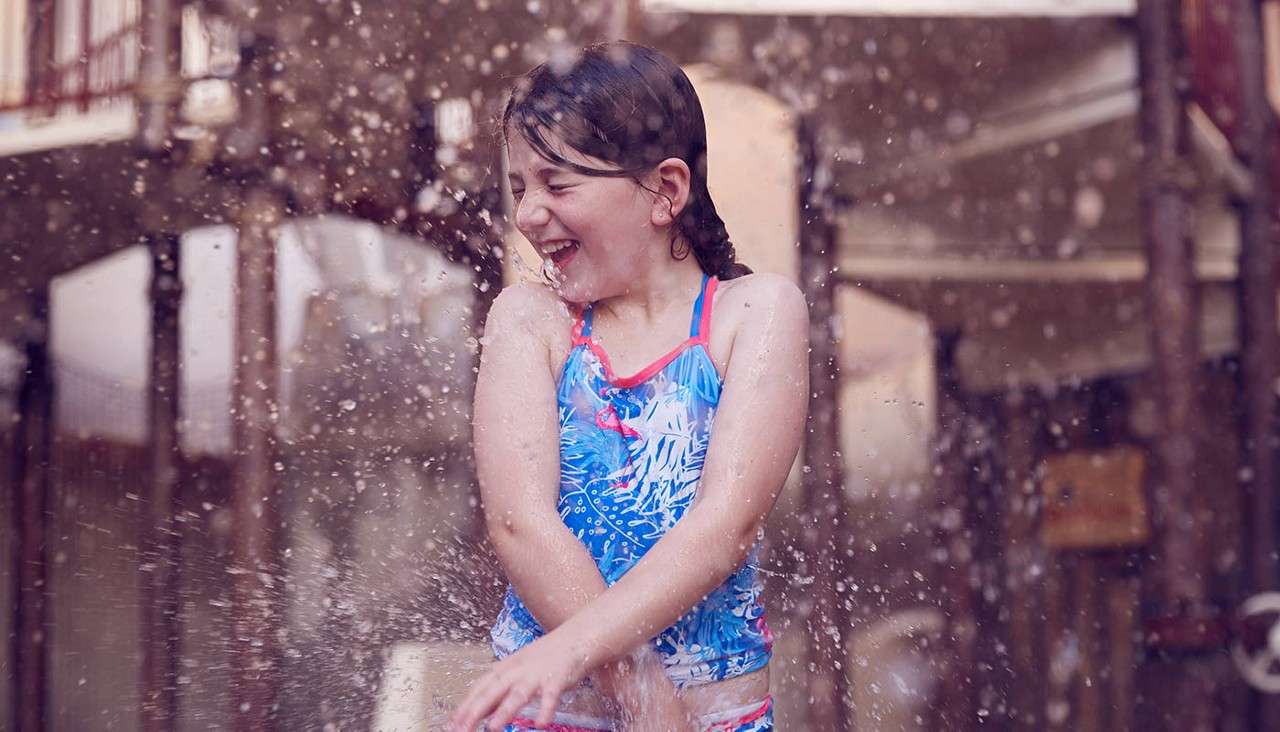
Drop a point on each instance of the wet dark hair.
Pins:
(630, 106)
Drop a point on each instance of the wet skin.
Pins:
(620, 258)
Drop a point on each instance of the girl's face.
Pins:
(595, 234)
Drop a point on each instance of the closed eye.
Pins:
(552, 187)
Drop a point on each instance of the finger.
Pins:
(463, 713)
(547, 709)
(515, 699)
(483, 697)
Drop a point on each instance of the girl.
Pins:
(626, 524)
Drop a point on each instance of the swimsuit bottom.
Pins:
(754, 717)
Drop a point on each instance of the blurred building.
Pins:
(246, 268)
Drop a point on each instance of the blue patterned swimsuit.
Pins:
(631, 456)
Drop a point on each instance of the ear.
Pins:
(671, 179)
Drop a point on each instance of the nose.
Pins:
(531, 212)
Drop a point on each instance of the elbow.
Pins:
(725, 534)
(740, 541)
(502, 529)
(510, 531)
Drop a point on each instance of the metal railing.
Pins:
(60, 56)
(63, 60)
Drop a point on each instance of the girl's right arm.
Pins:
(517, 447)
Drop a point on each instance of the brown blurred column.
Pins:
(624, 20)
(955, 707)
(159, 84)
(82, 56)
(41, 50)
(1180, 623)
(161, 537)
(158, 91)
(1259, 343)
(257, 567)
(30, 485)
(1023, 552)
(824, 502)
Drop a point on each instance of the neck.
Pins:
(655, 291)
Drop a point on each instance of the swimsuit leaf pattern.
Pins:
(631, 457)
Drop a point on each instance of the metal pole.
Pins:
(29, 654)
(1259, 341)
(1180, 618)
(161, 540)
(824, 503)
(257, 564)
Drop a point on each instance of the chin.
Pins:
(575, 293)
(574, 298)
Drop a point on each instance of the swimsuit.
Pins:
(631, 456)
(753, 717)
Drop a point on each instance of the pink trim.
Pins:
(733, 724)
(763, 626)
(643, 374)
(725, 726)
(704, 328)
(646, 373)
(553, 727)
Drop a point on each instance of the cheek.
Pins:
(610, 213)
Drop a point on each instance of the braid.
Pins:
(708, 237)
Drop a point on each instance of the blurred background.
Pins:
(247, 249)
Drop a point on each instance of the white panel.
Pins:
(932, 8)
(118, 123)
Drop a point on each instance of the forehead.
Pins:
(524, 159)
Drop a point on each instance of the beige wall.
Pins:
(751, 164)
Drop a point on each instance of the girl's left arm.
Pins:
(758, 428)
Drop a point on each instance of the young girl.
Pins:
(634, 422)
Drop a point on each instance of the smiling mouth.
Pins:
(561, 251)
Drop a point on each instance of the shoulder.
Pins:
(763, 296)
(528, 318)
(757, 313)
(531, 308)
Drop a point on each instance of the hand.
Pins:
(542, 670)
(646, 699)
(631, 680)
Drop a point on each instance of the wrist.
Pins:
(636, 681)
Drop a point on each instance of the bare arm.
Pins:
(758, 427)
(516, 430)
